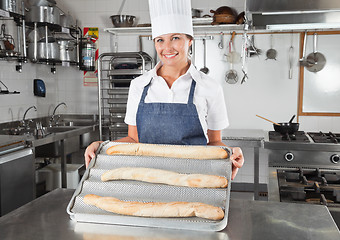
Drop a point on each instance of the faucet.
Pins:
(53, 114)
(23, 119)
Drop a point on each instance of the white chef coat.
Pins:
(208, 96)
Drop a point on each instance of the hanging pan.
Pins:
(315, 59)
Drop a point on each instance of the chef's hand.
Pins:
(237, 160)
(90, 152)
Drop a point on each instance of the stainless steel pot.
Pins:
(49, 3)
(13, 6)
(45, 51)
(66, 21)
(68, 51)
(44, 14)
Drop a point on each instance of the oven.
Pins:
(305, 168)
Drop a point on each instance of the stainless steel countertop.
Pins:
(46, 218)
(244, 137)
(9, 139)
(245, 134)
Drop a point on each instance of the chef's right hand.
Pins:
(90, 152)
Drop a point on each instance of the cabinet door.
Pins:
(17, 180)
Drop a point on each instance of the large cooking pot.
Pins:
(286, 127)
(45, 51)
(43, 14)
(49, 3)
(13, 6)
(224, 15)
(67, 21)
(68, 51)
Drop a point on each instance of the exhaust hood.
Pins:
(293, 14)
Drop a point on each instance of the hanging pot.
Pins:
(315, 59)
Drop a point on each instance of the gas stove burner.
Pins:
(299, 136)
(321, 137)
(310, 186)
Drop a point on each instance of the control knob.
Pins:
(289, 156)
(335, 158)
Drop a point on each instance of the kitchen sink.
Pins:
(58, 129)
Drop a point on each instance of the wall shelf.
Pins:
(198, 29)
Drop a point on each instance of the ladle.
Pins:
(291, 120)
(205, 69)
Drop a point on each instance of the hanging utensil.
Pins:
(291, 58)
(205, 69)
(303, 61)
(220, 44)
(244, 57)
(268, 120)
(252, 50)
(316, 59)
(233, 56)
(271, 53)
(231, 76)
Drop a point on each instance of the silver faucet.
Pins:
(52, 119)
(26, 126)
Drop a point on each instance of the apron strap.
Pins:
(145, 91)
(192, 91)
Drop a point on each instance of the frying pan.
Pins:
(316, 59)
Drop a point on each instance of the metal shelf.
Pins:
(118, 72)
(197, 29)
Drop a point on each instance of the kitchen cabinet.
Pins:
(17, 185)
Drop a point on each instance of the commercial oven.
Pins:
(305, 168)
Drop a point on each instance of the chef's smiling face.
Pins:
(172, 48)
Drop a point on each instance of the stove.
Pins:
(305, 168)
(321, 137)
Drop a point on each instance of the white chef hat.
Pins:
(170, 16)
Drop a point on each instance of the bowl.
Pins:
(123, 20)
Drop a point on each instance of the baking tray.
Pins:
(145, 192)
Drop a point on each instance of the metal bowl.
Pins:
(123, 20)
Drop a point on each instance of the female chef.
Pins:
(174, 103)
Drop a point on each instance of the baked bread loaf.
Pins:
(166, 177)
(155, 209)
(173, 151)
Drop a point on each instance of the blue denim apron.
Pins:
(169, 123)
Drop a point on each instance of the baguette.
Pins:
(166, 177)
(173, 151)
(155, 209)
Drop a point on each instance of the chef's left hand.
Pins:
(237, 160)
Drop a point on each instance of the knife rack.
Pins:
(115, 72)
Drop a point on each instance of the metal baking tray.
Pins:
(150, 192)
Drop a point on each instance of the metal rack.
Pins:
(115, 72)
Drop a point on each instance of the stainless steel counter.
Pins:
(46, 218)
